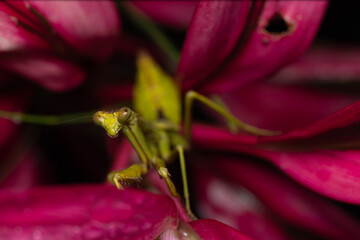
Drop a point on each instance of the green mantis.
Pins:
(153, 128)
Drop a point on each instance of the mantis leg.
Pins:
(127, 176)
(192, 95)
(180, 151)
(137, 139)
(164, 173)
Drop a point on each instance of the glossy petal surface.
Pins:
(84, 212)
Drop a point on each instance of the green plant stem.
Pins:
(148, 26)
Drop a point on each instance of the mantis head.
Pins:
(112, 121)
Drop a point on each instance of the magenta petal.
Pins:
(48, 71)
(323, 64)
(92, 27)
(209, 229)
(14, 36)
(213, 33)
(292, 202)
(333, 173)
(235, 206)
(84, 212)
(266, 51)
(171, 13)
(283, 108)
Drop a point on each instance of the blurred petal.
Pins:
(20, 169)
(292, 202)
(283, 108)
(14, 101)
(171, 13)
(214, 31)
(84, 212)
(48, 71)
(24, 16)
(213, 230)
(13, 35)
(235, 206)
(284, 31)
(323, 64)
(92, 27)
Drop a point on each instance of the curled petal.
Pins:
(84, 212)
(48, 71)
(284, 30)
(214, 31)
(333, 173)
(91, 27)
(172, 13)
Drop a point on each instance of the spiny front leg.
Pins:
(127, 176)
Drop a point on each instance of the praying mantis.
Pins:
(153, 127)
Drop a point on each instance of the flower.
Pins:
(38, 36)
(231, 49)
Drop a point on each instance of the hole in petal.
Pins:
(277, 25)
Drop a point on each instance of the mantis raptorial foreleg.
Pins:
(192, 95)
(127, 176)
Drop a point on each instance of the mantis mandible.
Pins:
(153, 128)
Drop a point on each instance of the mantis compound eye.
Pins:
(124, 115)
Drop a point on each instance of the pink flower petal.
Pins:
(14, 36)
(209, 229)
(323, 64)
(213, 33)
(91, 27)
(292, 202)
(234, 206)
(84, 212)
(268, 48)
(283, 108)
(333, 173)
(20, 11)
(171, 13)
(48, 71)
